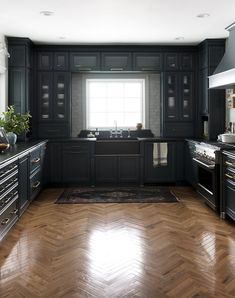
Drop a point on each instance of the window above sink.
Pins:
(116, 100)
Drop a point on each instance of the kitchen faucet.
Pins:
(115, 132)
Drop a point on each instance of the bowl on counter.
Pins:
(4, 147)
(227, 138)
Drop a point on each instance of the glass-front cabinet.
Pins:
(178, 88)
(171, 97)
(186, 83)
(61, 94)
(53, 96)
(45, 95)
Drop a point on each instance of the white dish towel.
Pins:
(160, 152)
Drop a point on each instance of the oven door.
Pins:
(207, 182)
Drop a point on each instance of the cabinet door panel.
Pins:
(147, 61)
(76, 166)
(171, 61)
(61, 61)
(186, 98)
(171, 97)
(45, 94)
(61, 96)
(116, 61)
(17, 89)
(161, 173)
(23, 183)
(186, 61)
(128, 169)
(45, 61)
(84, 61)
(106, 169)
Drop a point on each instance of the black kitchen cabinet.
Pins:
(159, 174)
(54, 104)
(171, 61)
(106, 170)
(211, 101)
(116, 61)
(227, 204)
(178, 107)
(45, 61)
(85, 61)
(20, 76)
(55, 162)
(24, 198)
(147, 61)
(20, 182)
(61, 61)
(45, 96)
(179, 61)
(129, 169)
(117, 169)
(190, 166)
(17, 89)
(76, 163)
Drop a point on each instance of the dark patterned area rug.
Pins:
(117, 195)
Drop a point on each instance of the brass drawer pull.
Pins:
(36, 184)
(36, 160)
(5, 221)
(14, 212)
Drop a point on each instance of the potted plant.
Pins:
(14, 123)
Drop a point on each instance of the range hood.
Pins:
(224, 75)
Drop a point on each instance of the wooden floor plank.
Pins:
(119, 250)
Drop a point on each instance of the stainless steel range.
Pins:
(207, 157)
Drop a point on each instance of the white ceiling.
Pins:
(116, 21)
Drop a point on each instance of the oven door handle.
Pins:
(204, 164)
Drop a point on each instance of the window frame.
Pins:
(115, 78)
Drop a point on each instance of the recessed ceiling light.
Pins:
(203, 15)
(179, 38)
(46, 13)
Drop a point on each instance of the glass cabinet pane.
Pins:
(186, 103)
(171, 109)
(60, 96)
(45, 95)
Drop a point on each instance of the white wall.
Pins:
(3, 78)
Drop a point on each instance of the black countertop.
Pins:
(18, 149)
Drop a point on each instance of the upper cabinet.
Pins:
(147, 61)
(116, 61)
(45, 61)
(53, 60)
(61, 61)
(179, 61)
(85, 61)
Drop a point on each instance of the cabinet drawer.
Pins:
(35, 159)
(8, 183)
(7, 170)
(8, 217)
(177, 129)
(9, 195)
(53, 130)
(35, 184)
(76, 147)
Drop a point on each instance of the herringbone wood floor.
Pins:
(119, 250)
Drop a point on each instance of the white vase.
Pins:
(12, 138)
